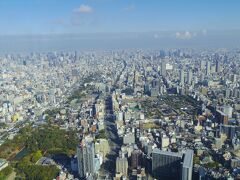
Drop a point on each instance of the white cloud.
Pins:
(194, 34)
(156, 36)
(84, 9)
(185, 35)
(130, 7)
(204, 32)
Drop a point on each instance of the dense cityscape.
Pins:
(127, 114)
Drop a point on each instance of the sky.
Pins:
(182, 20)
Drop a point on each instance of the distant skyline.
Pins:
(94, 16)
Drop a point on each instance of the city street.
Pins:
(108, 167)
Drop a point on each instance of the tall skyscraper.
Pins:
(163, 68)
(218, 66)
(76, 57)
(166, 165)
(136, 159)
(122, 166)
(208, 68)
(182, 78)
(221, 117)
(187, 166)
(85, 157)
(202, 65)
(189, 77)
(229, 130)
(170, 165)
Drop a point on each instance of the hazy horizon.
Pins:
(103, 41)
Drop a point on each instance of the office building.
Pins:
(218, 66)
(221, 117)
(76, 57)
(166, 165)
(189, 77)
(136, 159)
(229, 130)
(122, 166)
(163, 68)
(208, 68)
(154, 92)
(187, 166)
(228, 110)
(202, 65)
(182, 78)
(85, 157)
(170, 165)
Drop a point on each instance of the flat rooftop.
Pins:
(168, 153)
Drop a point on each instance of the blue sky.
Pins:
(94, 16)
(56, 25)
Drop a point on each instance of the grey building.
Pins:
(189, 77)
(202, 65)
(163, 68)
(182, 77)
(208, 68)
(85, 157)
(229, 130)
(166, 165)
(218, 66)
(122, 166)
(187, 165)
(170, 165)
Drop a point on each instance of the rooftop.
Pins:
(168, 153)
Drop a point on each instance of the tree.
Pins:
(5, 172)
(196, 160)
(36, 156)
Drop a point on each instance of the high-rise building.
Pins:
(189, 77)
(162, 54)
(154, 92)
(218, 66)
(166, 165)
(187, 166)
(202, 65)
(229, 130)
(76, 57)
(85, 157)
(221, 117)
(136, 159)
(208, 68)
(228, 110)
(182, 73)
(122, 166)
(170, 165)
(163, 68)
(155, 83)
